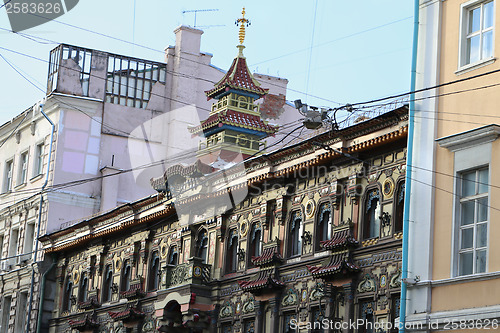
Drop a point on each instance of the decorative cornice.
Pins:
(470, 138)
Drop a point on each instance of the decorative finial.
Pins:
(242, 22)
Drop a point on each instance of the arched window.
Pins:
(126, 275)
(154, 269)
(372, 213)
(68, 290)
(173, 256)
(399, 202)
(255, 241)
(84, 286)
(202, 246)
(107, 284)
(232, 252)
(324, 224)
(295, 234)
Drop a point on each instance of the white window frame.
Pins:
(22, 173)
(465, 10)
(8, 176)
(475, 223)
(471, 150)
(39, 157)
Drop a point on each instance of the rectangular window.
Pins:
(28, 240)
(477, 32)
(38, 166)
(23, 168)
(7, 302)
(7, 183)
(21, 312)
(473, 222)
(13, 242)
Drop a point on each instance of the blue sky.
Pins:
(360, 49)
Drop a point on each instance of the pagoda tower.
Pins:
(234, 125)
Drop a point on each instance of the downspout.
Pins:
(42, 294)
(39, 222)
(409, 161)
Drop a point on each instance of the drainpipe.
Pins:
(409, 161)
(42, 294)
(39, 222)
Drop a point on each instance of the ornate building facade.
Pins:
(303, 239)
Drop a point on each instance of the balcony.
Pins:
(193, 272)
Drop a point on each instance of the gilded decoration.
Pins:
(317, 292)
(244, 228)
(367, 284)
(248, 306)
(290, 298)
(226, 310)
(395, 279)
(164, 250)
(310, 208)
(388, 188)
(118, 265)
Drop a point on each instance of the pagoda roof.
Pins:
(340, 238)
(269, 255)
(238, 77)
(86, 323)
(237, 119)
(339, 263)
(264, 280)
(129, 313)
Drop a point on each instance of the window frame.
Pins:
(465, 11)
(319, 232)
(107, 284)
(231, 263)
(295, 235)
(368, 221)
(202, 245)
(125, 276)
(254, 244)
(8, 176)
(154, 269)
(22, 168)
(474, 225)
(39, 157)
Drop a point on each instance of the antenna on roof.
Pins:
(195, 11)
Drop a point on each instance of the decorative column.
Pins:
(214, 319)
(274, 304)
(259, 318)
(329, 304)
(349, 304)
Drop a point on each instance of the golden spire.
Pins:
(242, 22)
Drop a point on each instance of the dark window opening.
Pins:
(295, 231)
(232, 252)
(399, 202)
(126, 275)
(372, 215)
(84, 285)
(202, 246)
(107, 284)
(154, 270)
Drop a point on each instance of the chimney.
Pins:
(188, 40)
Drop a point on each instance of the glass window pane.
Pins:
(482, 209)
(474, 20)
(465, 266)
(483, 174)
(469, 184)
(481, 235)
(467, 238)
(467, 212)
(488, 15)
(481, 261)
(473, 49)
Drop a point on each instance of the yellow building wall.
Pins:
(458, 113)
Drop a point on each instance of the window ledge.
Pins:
(476, 65)
(35, 178)
(461, 279)
(20, 186)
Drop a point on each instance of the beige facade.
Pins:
(458, 275)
